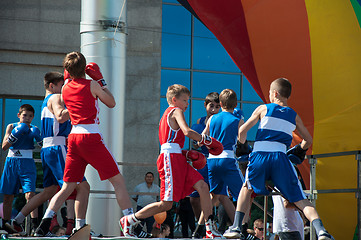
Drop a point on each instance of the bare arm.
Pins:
(104, 95)
(206, 129)
(307, 138)
(6, 145)
(257, 114)
(178, 118)
(56, 106)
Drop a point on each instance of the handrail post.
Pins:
(358, 193)
(313, 193)
(265, 216)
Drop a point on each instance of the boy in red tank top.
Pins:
(178, 178)
(85, 142)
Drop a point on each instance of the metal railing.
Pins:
(312, 159)
(313, 192)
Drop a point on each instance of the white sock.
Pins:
(19, 218)
(127, 211)
(49, 213)
(79, 223)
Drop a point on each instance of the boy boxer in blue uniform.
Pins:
(19, 169)
(269, 160)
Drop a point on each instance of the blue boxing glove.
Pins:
(18, 131)
(35, 132)
(296, 154)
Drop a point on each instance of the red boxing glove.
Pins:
(213, 145)
(67, 77)
(198, 159)
(93, 71)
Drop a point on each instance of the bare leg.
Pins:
(308, 209)
(81, 201)
(153, 208)
(228, 206)
(61, 196)
(28, 196)
(206, 203)
(121, 192)
(244, 199)
(7, 206)
(39, 199)
(70, 209)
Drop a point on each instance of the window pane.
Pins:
(204, 83)
(198, 110)
(176, 19)
(202, 31)
(176, 51)
(209, 54)
(247, 111)
(249, 94)
(170, 77)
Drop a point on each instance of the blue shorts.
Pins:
(224, 172)
(53, 161)
(18, 172)
(275, 166)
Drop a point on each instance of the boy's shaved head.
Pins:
(282, 86)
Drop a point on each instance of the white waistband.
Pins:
(85, 128)
(266, 146)
(20, 153)
(224, 154)
(170, 148)
(53, 141)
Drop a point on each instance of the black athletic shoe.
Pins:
(43, 228)
(138, 230)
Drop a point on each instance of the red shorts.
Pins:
(177, 177)
(84, 149)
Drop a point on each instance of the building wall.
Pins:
(36, 35)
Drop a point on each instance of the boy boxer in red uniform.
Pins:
(85, 142)
(178, 178)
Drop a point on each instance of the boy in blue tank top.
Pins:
(212, 106)
(19, 169)
(269, 160)
(223, 169)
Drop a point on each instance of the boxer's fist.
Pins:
(93, 71)
(35, 132)
(198, 159)
(213, 145)
(17, 132)
(242, 149)
(296, 154)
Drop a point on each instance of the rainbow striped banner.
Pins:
(316, 44)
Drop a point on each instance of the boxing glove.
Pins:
(35, 132)
(296, 154)
(17, 132)
(198, 159)
(93, 71)
(213, 145)
(242, 149)
(67, 77)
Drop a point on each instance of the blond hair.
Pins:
(175, 91)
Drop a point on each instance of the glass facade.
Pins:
(193, 57)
